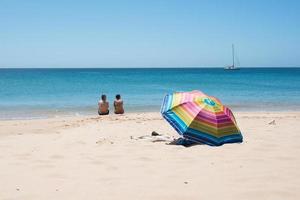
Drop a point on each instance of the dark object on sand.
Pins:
(272, 122)
(184, 142)
(154, 133)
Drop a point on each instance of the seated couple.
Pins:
(103, 105)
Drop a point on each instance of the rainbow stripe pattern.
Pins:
(201, 118)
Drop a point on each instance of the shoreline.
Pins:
(130, 112)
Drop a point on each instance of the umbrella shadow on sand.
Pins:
(177, 141)
(184, 142)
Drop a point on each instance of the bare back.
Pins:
(103, 106)
(118, 104)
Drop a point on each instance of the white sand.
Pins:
(102, 158)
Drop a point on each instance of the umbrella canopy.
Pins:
(201, 118)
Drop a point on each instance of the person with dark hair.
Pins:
(103, 106)
(118, 104)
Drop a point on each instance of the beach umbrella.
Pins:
(201, 118)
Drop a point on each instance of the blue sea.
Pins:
(42, 93)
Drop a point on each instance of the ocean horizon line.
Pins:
(222, 67)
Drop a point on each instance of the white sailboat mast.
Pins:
(233, 65)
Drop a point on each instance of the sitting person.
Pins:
(103, 106)
(118, 104)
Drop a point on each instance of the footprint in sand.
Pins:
(57, 157)
(143, 158)
(44, 166)
(112, 168)
(104, 141)
(81, 142)
(23, 156)
(58, 176)
(97, 162)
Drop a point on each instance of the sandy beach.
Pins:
(115, 157)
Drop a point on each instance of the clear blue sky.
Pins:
(153, 33)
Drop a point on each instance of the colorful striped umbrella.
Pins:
(201, 118)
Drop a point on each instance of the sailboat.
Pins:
(232, 67)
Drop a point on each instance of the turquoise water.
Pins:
(31, 93)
